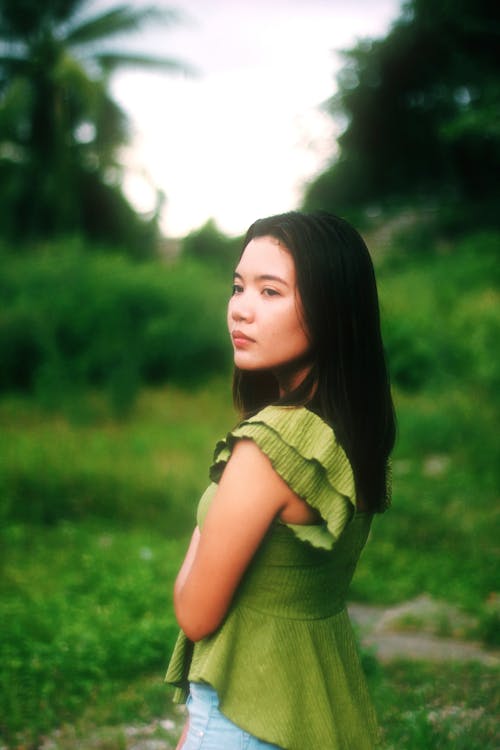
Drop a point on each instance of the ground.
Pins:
(407, 631)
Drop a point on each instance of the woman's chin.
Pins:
(245, 363)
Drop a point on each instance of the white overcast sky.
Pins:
(240, 139)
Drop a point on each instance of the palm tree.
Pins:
(59, 127)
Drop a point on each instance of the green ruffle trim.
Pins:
(305, 453)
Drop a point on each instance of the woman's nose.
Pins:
(240, 308)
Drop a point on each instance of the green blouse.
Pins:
(284, 661)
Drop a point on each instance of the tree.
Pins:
(59, 127)
(422, 112)
(211, 246)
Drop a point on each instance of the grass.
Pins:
(436, 707)
(57, 467)
(96, 516)
(84, 608)
(86, 602)
(440, 536)
(420, 707)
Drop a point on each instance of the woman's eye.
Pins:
(236, 289)
(270, 292)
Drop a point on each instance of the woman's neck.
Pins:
(289, 379)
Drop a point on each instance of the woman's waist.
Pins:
(310, 592)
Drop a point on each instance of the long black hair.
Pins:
(348, 380)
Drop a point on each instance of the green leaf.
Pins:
(110, 61)
(120, 20)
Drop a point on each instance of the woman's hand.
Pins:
(183, 736)
(249, 496)
(188, 560)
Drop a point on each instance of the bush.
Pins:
(410, 353)
(72, 320)
(441, 315)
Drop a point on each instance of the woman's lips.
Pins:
(240, 339)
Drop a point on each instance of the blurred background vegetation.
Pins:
(115, 369)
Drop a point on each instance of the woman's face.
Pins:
(264, 313)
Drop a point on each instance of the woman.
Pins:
(266, 649)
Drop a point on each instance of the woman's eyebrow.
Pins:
(263, 277)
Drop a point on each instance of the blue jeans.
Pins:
(210, 730)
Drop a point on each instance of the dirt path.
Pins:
(410, 631)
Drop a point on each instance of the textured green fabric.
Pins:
(284, 662)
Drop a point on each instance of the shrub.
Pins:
(72, 320)
(440, 316)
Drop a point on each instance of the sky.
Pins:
(239, 139)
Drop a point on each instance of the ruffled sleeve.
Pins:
(305, 453)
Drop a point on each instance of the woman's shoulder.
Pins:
(281, 429)
(292, 420)
(298, 427)
(303, 450)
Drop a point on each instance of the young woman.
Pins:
(266, 650)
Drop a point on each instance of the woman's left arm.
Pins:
(249, 496)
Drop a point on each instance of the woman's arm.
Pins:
(188, 560)
(249, 496)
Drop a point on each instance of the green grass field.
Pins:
(86, 601)
(98, 515)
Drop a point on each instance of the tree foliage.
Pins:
(212, 247)
(422, 111)
(59, 127)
